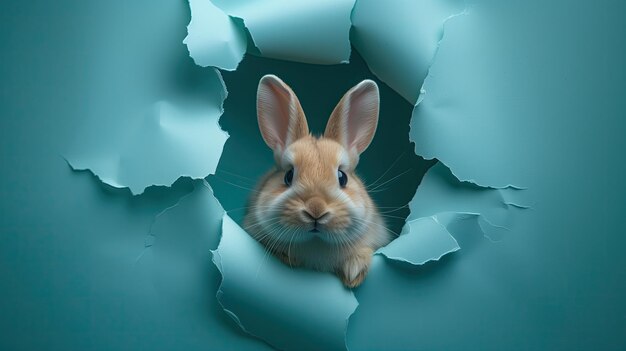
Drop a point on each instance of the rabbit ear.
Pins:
(280, 116)
(354, 120)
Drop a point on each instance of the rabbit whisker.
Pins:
(390, 216)
(236, 185)
(236, 175)
(374, 223)
(386, 182)
(388, 169)
(271, 248)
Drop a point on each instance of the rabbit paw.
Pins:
(355, 268)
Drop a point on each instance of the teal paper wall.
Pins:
(70, 273)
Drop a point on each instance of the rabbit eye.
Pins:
(343, 178)
(289, 177)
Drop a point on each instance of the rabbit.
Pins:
(312, 210)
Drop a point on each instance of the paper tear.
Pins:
(180, 135)
(463, 106)
(178, 259)
(470, 227)
(398, 39)
(441, 192)
(425, 240)
(290, 308)
(190, 206)
(214, 38)
(159, 142)
(525, 207)
(305, 31)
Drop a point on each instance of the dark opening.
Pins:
(389, 165)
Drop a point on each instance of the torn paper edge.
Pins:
(169, 183)
(422, 89)
(217, 261)
(100, 179)
(234, 27)
(432, 258)
(479, 217)
(216, 258)
(250, 36)
(422, 96)
(151, 238)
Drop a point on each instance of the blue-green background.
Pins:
(68, 244)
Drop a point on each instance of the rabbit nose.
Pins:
(313, 217)
(315, 209)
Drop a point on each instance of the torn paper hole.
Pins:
(174, 133)
(432, 239)
(246, 158)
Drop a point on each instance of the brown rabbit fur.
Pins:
(312, 210)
